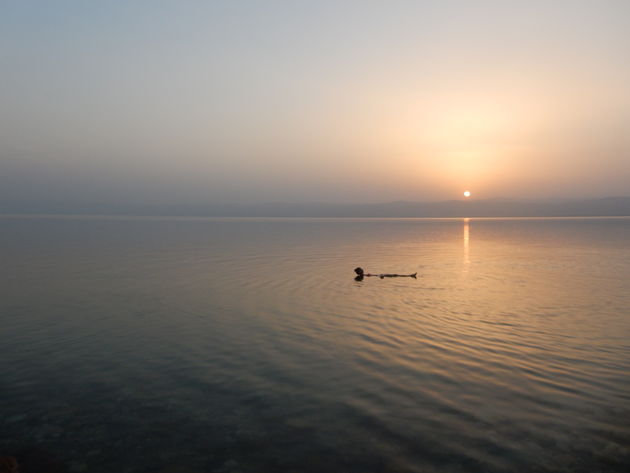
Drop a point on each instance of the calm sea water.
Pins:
(218, 345)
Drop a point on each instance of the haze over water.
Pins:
(138, 345)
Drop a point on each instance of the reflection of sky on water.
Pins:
(258, 327)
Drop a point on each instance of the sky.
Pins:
(184, 102)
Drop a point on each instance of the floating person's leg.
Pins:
(360, 274)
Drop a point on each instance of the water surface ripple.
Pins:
(148, 345)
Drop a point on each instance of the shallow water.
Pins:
(141, 345)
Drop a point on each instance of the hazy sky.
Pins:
(333, 101)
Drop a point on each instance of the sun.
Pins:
(466, 193)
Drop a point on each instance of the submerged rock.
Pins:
(49, 431)
(230, 464)
(38, 460)
(16, 418)
(8, 465)
(177, 469)
(77, 467)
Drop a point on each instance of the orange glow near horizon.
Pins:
(466, 193)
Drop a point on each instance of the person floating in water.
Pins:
(361, 274)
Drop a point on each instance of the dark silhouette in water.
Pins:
(361, 274)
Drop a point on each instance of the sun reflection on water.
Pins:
(466, 244)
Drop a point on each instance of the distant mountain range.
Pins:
(610, 206)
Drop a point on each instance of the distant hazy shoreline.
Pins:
(489, 208)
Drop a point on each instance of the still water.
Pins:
(246, 345)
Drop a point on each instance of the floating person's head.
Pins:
(359, 271)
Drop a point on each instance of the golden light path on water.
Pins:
(466, 244)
